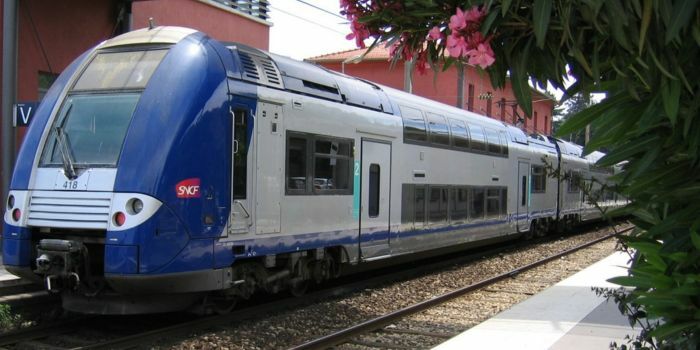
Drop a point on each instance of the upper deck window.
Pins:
(413, 125)
(120, 70)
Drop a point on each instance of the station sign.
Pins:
(23, 113)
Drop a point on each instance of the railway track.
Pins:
(384, 327)
(100, 333)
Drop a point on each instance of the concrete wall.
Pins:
(218, 22)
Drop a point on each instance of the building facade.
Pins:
(479, 95)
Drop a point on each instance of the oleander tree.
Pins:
(642, 54)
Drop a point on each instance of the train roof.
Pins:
(281, 72)
(276, 71)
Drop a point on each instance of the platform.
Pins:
(567, 315)
(4, 275)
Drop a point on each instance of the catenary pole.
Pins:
(9, 89)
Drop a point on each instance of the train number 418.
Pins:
(70, 185)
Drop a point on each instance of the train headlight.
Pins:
(16, 214)
(135, 206)
(10, 202)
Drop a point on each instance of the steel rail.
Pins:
(341, 336)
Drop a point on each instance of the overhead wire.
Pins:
(322, 9)
(35, 31)
(307, 20)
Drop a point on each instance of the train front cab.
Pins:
(112, 191)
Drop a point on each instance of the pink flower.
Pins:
(422, 63)
(434, 34)
(474, 14)
(359, 33)
(458, 21)
(456, 45)
(482, 56)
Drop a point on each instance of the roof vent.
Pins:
(259, 69)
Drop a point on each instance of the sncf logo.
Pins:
(188, 188)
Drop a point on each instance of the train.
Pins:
(165, 170)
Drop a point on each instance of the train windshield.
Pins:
(90, 128)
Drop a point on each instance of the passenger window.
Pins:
(476, 209)
(439, 131)
(325, 170)
(413, 125)
(460, 134)
(240, 157)
(407, 211)
(574, 181)
(539, 179)
(493, 200)
(478, 139)
(296, 165)
(459, 204)
(332, 166)
(494, 142)
(504, 143)
(438, 205)
(419, 206)
(523, 191)
(373, 190)
(504, 201)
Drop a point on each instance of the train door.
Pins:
(523, 196)
(269, 163)
(240, 220)
(375, 186)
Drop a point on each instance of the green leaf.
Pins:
(488, 22)
(682, 12)
(646, 19)
(541, 13)
(519, 81)
(696, 239)
(630, 149)
(671, 94)
(669, 329)
(505, 6)
(585, 117)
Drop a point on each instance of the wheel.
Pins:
(223, 305)
(542, 229)
(531, 233)
(298, 287)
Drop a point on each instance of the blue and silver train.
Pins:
(165, 170)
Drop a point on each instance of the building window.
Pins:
(318, 164)
(535, 122)
(502, 104)
(488, 103)
(539, 179)
(470, 98)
